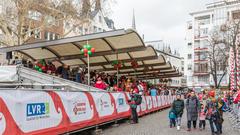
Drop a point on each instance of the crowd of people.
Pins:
(100, 80)
(204, 106)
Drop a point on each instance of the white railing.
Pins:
(26, 74)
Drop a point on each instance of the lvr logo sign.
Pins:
(35, 109)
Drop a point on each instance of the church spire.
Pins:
(133, 21)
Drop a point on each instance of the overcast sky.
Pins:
(157, 19)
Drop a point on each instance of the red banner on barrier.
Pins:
(55, 112)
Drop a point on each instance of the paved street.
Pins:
(157, 124)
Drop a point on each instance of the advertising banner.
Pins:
(159, 101)
(149, 103)
(163, 100)
(154, 100)
(105, 105)
(2, 123)
(139, 110)
(56, 112)
(121, 103)
(78, 106)
(167, 100)
(28, 108)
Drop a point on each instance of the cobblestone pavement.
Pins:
(157, 124)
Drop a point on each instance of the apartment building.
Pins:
(174, 58)
(197, 39)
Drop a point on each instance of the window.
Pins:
(37, 34)
(75, 30)
(189, 26)
(85, 31)
(100, 19)
(99, 30)
(67, 25)
(95, 29)
(56, 36)
(35, 15)
(203, 79)
(51, 36)
(189, 78)
(46, 35)
(189, 56)
(201, 68)
(50, 20)
(80, 30)
(189, 67)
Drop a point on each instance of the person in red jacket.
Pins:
(237, 98)
(100, 84)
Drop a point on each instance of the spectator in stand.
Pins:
(17, 61)
(153, 91)
(59, 71)
(79, 75)
(65, 71)
(100, 84)
(128, 85)
(140, 87)
(51, 68)
(29, 64)
(166, 92)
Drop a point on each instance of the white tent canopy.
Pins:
(122, 45)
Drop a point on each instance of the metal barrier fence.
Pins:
(234, 115)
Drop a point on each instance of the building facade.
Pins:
(41, 23)
(94, 22)
(174, 58)
(203, 22)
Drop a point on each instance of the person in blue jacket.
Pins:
(172, 118)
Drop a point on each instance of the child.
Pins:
(202, 118)
(172, 117)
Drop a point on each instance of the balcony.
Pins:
(200, 60)
(199, 37)
(200, 49)
(200, 72)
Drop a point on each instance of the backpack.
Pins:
(138, 100)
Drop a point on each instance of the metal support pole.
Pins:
(88, 70)
(88, 62)
(117, 70)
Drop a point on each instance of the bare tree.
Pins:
(218, 57)
(18, 26)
